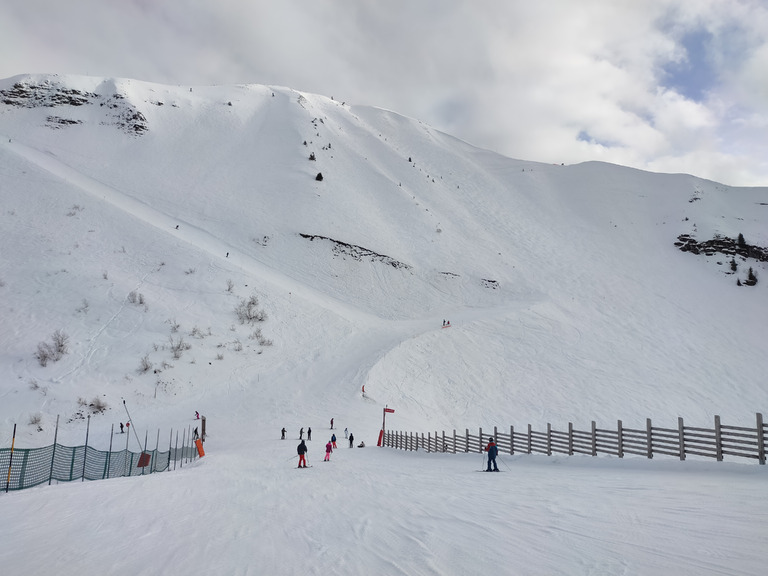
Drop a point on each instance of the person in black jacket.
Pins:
(351, 439)
(302, 450)
(493, 451)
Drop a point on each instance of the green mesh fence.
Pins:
(33, 466)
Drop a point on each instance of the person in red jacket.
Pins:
(302, 450)
(328, 450)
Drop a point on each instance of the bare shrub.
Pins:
(230, 285)
(174, 324)
(145, 365)
(238, 346)
(105, 275)
(36, 421)
(133, 297)
(83, 307)
(178, 346)
(197, 333)
(259, 337)
(60, 344)
(43, 353)
(219, 356)
(248, 312)
(189, 271)
(47, 351)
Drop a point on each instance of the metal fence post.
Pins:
(549, 439)
(594, 438)
(718, 440)
(109, 454)
(620, 438)
(570, 438)
(53, 455)
(760, 439)
(649, 438)
(511, 439)
(681, 434)
(85, 452)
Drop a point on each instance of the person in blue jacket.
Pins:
(493, 451)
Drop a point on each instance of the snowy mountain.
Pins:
(138, 218)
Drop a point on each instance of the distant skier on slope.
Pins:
(309, 433)
(282, 434)
(333, 440)
(493, 451)
(302, 450)
(328, 450)
(301, 434)
(351, 439)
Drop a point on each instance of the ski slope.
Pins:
(568, 302)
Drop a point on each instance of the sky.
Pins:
(568, 300)
(662, 85)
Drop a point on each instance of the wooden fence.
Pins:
(717, 442)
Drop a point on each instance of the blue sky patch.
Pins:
(695, 75)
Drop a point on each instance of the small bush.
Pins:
(319, 177)
(230, 285)
(54, 350)
(248, 312)
(36, 421)
(178, 346)
(145, 365)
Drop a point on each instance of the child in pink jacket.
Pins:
(328, 450)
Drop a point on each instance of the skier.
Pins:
(346, 432)
(301, 434)
(302, 450)
(309, 433)
(196, 434)
(492, 450)
(197, 415)
(333, 439)
(328, 450)
(282, 434)
(331, 423)
(121, 428)
(351, 439)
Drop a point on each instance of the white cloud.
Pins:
(525, 79)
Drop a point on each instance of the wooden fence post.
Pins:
(443, 450)
(549, 439)
(681, 434)
(620, 437)
(480, 439)
(511, 440)
(454, 440)
(594, 438)
(496, 434)
(760, 439)
(570, 438)
(718, 440)
(530, 434)
(649, 437)
(466, 442)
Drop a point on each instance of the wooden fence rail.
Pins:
(717, 442)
